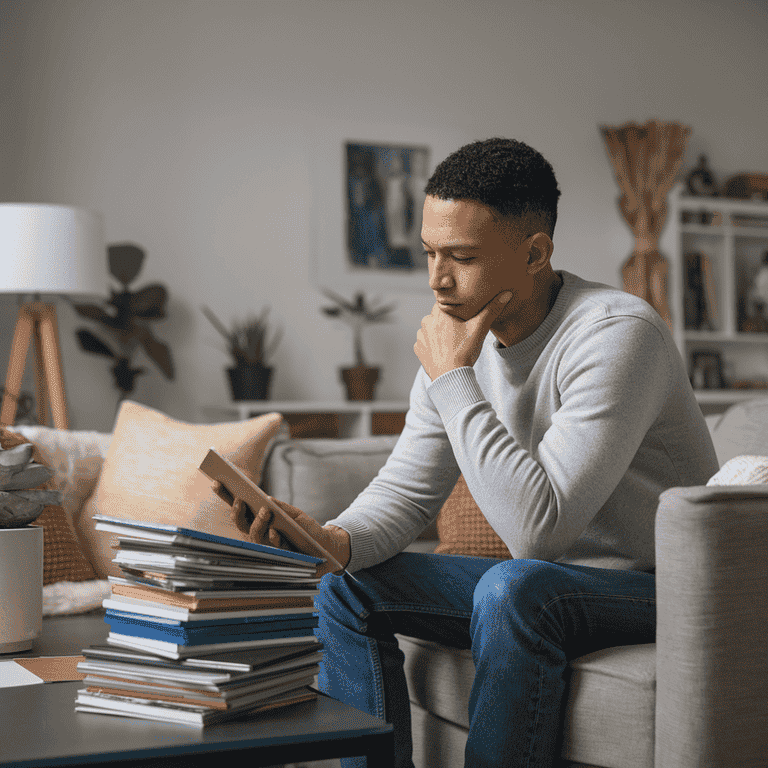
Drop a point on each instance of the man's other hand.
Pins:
(333, 539)
(445, 342)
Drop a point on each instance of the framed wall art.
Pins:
(368, 211)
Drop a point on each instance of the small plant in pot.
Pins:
(248, 343)
(361, 378)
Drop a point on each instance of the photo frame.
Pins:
(368, 195)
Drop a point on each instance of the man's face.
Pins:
(473, 256)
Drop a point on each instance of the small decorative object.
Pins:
(126, 319)
(747, 186)
(700, 181)
(707, 370)
(700, 306)
(361, 378)
(251, 375)
(21, 499)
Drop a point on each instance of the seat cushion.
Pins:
(610, 700)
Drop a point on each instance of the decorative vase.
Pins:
(21, 587)
(250, 382)
(360, 382)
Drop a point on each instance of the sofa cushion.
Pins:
(742, 470)
(463, 529)
(610, 707)
(151, 472)
(742, 430)
(323, 476)
(63, 556)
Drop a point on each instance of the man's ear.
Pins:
(540, 248)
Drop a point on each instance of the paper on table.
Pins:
(42, 669)
(13, 675)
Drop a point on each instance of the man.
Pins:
(568, 410)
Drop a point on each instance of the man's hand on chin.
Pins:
(445, 342)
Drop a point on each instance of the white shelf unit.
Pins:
(355, 416)
(734, 249)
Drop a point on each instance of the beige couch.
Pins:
(697, 697)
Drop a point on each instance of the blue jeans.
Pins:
(523, 619)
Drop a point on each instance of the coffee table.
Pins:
(39, 725)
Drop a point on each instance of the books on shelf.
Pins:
(202, 627)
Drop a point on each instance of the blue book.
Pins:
(172, 534)
(211, 636)
(162, 621)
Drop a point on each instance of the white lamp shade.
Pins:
(51, 249)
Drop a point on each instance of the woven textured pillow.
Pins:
(63, 556)
(463, 529)
(151, 472)
(742, 470)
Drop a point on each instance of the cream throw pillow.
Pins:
(742, 470)
(151, 472)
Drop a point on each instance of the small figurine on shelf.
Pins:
(701, 183)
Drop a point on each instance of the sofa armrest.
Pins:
(712, 634)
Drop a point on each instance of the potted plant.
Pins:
(250, 377)
(126, 317)
(361, 378)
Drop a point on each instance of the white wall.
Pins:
(191, 126)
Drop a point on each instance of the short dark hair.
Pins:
(505, 174)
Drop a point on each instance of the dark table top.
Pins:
(39, 725)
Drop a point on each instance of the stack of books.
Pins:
(202, 628)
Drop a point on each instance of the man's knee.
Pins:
(517, 586)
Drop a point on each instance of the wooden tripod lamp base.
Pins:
(36, 321)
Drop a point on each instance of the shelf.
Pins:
(728, 396)
(716, 337)
(315, 418)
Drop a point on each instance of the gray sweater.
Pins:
(565, 440)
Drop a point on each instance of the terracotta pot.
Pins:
(250, 382)
(360, 381)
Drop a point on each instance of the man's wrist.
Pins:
(343, 550)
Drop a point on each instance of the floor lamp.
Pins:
(51, 250)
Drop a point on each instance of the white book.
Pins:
(302, 676)
(190, 678)
(148, 608)
(190, 714)
(186, 537)
(204, 594)
(177, 651)
(153, 561)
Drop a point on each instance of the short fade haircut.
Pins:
(507, 175)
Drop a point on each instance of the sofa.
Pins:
(696, 697)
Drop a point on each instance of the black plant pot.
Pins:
(250, 382)
(360, 381)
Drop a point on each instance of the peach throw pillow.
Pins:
(151, 473)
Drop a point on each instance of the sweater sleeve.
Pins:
(612, 381)
(409, 490)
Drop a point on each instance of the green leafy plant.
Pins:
(247, 340)
(357, 314)
(126, 317)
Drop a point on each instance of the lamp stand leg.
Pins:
(36, 320)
